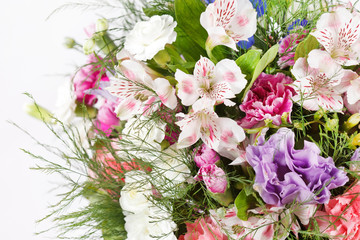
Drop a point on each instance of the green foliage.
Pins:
(243, 202)
(248, 62)
(305, 47)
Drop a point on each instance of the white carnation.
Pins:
(65, 103)
(149, 37)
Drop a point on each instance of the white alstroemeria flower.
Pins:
(228, 22)
(149, 37)
(135, 194)
(339, 33)
(215, 83)
(316, 81)
(351, 86)
(204, 123)
(138, 91)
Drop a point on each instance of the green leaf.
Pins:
(188, 48)
(303, 49)
(268, 57)
(187, 14)
(248, 61)
(243, 202)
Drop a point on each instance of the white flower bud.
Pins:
(102, 25)
(89, 46)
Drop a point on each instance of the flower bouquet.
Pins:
(225, 119)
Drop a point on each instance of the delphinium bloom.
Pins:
(137, 90)
(88, 77)
(341, 218)
(269, 98)
(338, 32)
(215, 83)
(284, 175)
(228, 21)
(316, 80)
(149, 37)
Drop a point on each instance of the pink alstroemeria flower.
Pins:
(316, 79)
(339, 33)
(204, 123)
(135, 90)
(213, 177)
(228, 22)
(215, 83)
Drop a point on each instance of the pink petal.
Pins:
(226, 70)
(165, 92)
(187, 88)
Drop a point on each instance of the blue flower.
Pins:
(246, 44)
(260, 6)
(297, 23)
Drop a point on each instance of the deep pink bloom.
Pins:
(213, 177)
(106, 117)
(287, 51)
(86, 78)
(343, 215)
(203, 228)
(269, 98)
(205, 155)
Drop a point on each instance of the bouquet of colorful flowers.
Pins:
(225, 119)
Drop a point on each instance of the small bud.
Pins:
(162, 58)
(298, 125)
(89, 46)
(284, 118)
(69, 42)
(102, 25)
(352, 121)
(319, 114)
(332, 124)
(38, 112)
(356, 140)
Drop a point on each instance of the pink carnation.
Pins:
(213, 177)
(106, 117)
(269, 98)
(287, 51)
(205, 155)
(88, 77)
(341, 218)
(203, 229)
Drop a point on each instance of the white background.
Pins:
(32, 59)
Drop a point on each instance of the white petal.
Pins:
(190, 133)
(353, 93)
(165, 92)
(204, 70)
(187, 87)
(227, 70)
(331, 103)
(128, 108)
(218, 36)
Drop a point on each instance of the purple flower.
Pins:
(205, 155)
(269, 98)
(87, 78)
(213, 177)
(284, 174)
(106, 117)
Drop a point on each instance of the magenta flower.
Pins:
(213, 177)
(205, 155)
(106, 117)
(86, 78)
(287, 51)
(269, 98)
(284, 174)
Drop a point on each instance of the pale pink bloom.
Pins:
(205, 155)
(339, 33)
(287, 49)
(213, 177)
(264, 225)
(215, 83)
(133, 90)
(352, 108)
(341, 218)
(203, 229)
(351, 86)
(106, 118)
(316, 81)
(228, 22)
(204, 123)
